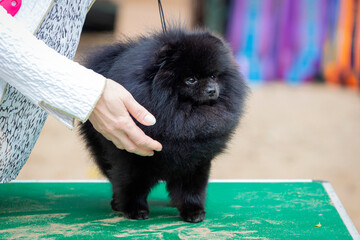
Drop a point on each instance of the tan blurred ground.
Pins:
(311, 131)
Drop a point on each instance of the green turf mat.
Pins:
(238, 210)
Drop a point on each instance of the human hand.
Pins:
(111, 118)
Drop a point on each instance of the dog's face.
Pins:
(200, 89)
(193, 67)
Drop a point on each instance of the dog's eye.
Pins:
(213, 77)
(190, 81)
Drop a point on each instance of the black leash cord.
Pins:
(162, 17)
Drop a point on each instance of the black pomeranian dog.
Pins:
(190, 82)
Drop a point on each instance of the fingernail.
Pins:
(149, 120)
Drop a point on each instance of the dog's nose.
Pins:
(211, 91)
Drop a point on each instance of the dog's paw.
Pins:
(137, 214)
(193, 216)
(115, 206)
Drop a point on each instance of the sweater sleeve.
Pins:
(62, 87)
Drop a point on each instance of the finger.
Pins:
(118, 144)
(133, 148)
(142, 115)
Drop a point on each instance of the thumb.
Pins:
(142, 115)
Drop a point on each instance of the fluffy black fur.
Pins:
(190, 82)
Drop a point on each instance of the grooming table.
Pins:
(236, 209)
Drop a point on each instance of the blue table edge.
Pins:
(327, 186)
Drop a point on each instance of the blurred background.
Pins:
(302, 61)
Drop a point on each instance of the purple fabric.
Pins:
(282, 39)
(268, 38)
(234, 31)
(288, 38)
(324, 16)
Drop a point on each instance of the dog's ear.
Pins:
(163, 72)
(165, 54)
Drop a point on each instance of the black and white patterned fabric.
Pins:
(20, 120)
